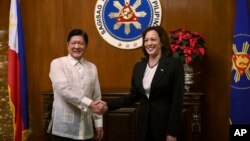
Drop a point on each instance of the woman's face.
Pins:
(76, 47)
(152, 43)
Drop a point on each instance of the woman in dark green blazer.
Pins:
(158, 83)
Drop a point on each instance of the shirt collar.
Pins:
(74, 61)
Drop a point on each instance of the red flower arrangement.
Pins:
(186, 45)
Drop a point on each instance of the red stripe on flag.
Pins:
(14, 92)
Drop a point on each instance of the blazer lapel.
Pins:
(160, 71)
(141, 75)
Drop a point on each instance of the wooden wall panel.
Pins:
(4, 14)
(47, 22)
(43, 29)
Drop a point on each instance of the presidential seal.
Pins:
(241, 62)
(121, 22)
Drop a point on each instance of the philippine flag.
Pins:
(17, 82)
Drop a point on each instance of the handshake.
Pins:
(99, 107)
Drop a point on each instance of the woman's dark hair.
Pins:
(164, 39)
(80, 32)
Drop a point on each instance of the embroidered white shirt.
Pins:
(75, 85)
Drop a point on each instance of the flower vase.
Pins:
(192, 74)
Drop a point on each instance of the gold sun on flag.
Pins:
(241, 62)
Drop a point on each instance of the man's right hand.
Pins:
(99, 107)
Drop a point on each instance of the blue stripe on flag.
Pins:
(23, 79)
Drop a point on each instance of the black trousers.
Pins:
(149, 136)
(58, 138)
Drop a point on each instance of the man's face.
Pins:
(76, 46)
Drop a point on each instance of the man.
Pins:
(76, 86)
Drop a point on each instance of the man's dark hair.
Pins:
(80, 32)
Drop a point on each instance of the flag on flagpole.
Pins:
(240, 82)
(17, 82)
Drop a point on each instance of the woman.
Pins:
(158, 83)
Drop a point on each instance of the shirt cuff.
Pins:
(98, 123)
(85, 103)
